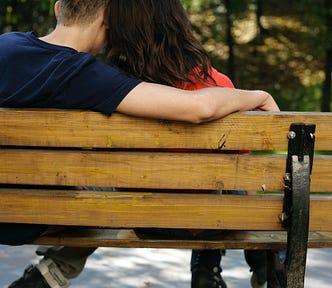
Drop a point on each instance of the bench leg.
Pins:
(291, 272)
(298, 229)
(295, 217)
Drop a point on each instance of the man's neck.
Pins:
(72, 37)
(87, 38)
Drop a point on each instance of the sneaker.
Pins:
(205, 269)
(30, 279)
(46, 274)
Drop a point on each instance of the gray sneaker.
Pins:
(46, 274)
(31, 279)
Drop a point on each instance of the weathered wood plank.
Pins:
(154, 170)
(160, 210)
(124, 209)
(227, 240)
(245, 130)
(143, 170)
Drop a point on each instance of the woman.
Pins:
(153, 40)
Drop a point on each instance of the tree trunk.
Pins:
(230, 41)
(326, 89)
(259, 13)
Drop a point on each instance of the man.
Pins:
(60, 71)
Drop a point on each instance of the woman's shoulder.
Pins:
(219, 79)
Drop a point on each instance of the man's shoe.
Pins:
(206, 278)
(257, 261)
(258, 280)
(46, 274)
(205, 269)
(30, 279)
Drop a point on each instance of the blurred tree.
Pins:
(326, 91)
(259, 15)
(230, 39)
(24, 15)
(318, 14)
(216, 27)
(276, 46)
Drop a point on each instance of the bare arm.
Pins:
(163, 102)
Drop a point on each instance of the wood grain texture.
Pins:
(154, 170)
(66, 149)
(142, 169)
(135, 209)
(245, 130)
(93, 237)
(159, 210)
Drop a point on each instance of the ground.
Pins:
(155, 268)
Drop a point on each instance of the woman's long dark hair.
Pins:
(153, 40)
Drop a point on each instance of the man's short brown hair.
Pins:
(80, 11)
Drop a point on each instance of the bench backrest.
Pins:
(147, 160)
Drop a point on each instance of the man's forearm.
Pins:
(163, 102)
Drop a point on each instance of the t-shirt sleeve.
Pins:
(99, 87)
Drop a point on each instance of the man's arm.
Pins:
(163, 102)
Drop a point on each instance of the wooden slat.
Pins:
(246, 130)
(154, 170)
(321, 174)
(124, 209)
(161, 210)
(227, 240)
(143, 170)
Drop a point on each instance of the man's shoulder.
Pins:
(14, 35)
(14, 38)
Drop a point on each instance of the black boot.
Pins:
(206, 270)
(257, 261)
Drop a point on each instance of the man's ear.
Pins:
(57, 9)
(105, 20)
(106, 24)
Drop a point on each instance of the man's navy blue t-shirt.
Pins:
(34, 73)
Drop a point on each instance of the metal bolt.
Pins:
(291, 135)
(287, 177)
(283, 216)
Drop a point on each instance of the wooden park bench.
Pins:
(166, 174)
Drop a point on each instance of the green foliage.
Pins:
(286, 58)
(24, 15)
